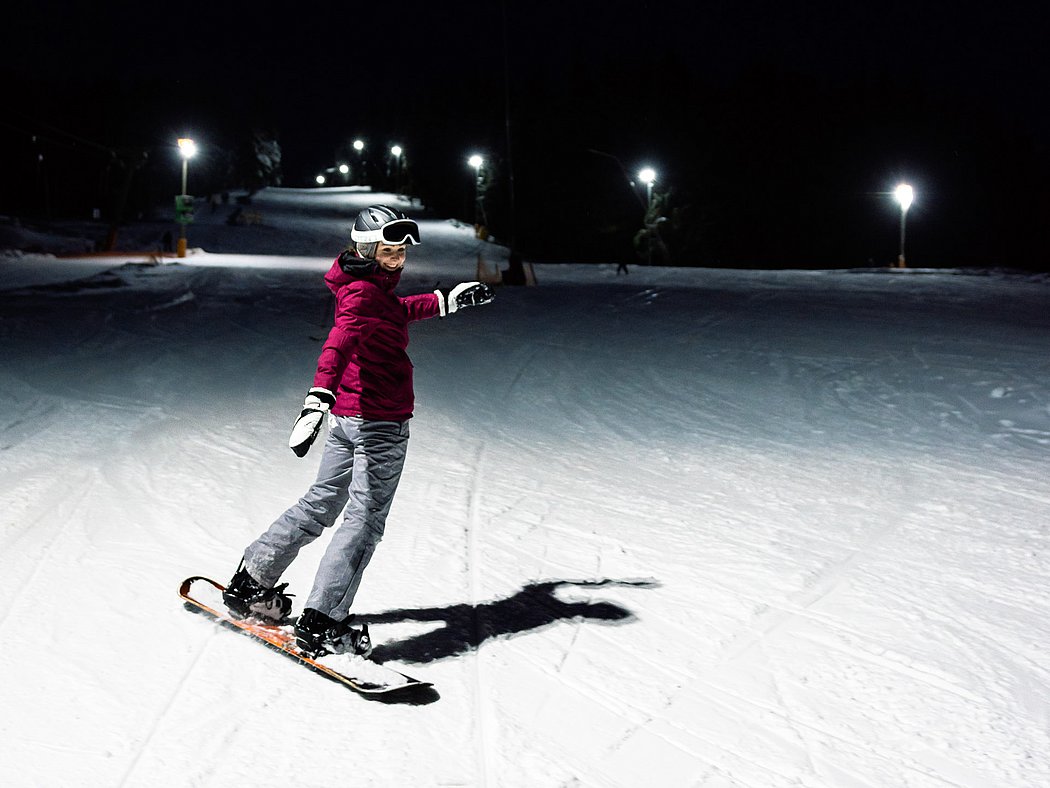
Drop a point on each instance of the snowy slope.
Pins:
(678, 528)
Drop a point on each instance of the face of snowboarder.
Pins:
(391, 257)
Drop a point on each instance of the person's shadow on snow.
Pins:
(467, 626)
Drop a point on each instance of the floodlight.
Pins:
(187, 147)
(905, 195)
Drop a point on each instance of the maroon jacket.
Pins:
(364, 360)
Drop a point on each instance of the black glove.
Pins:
(306, 427)
(463, 295)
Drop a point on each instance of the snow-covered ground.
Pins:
(678, 528)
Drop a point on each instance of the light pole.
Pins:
(187, 149)
(904, 195)
(359, 146)
(396, 151)
(477, 162)
(647, 175)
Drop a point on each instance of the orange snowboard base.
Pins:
(203, 595)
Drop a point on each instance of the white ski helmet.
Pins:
(381, 223)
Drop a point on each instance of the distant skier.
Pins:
(364, 383)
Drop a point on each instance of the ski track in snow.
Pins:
(482, 725)
(704, 528)
(141, 749)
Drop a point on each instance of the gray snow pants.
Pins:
(360, 468)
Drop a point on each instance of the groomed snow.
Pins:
(676, 528)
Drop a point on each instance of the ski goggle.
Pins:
(395, 233)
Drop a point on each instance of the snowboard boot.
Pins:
(316, 635)
(247, 598)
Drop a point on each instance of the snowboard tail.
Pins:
(204, 595)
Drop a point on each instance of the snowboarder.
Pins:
(363, 384)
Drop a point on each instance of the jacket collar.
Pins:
(349, 267)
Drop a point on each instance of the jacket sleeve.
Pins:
(420, 307)
(355, 319)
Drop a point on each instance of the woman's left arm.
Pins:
(420, 307)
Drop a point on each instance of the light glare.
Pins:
(905, 195)
(647, 176)
(187, 147)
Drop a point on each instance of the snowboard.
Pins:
(364, 676)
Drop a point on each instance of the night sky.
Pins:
(776, 129)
